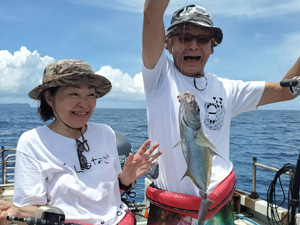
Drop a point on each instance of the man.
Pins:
(191, 39)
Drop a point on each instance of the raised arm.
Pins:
(139, 164)
(275, 93)
(153, 31)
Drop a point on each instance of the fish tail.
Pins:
(204, 206)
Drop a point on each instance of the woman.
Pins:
(71, 163)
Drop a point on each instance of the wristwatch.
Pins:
(126, 188)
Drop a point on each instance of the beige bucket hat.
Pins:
(68, 72)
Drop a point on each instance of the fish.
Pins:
(197, 149)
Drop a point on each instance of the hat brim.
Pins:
(217, 34)
(101, 84)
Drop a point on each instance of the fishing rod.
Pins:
(45, 215)
(293, 84)
(290, 82)
(36, 221)
(294, 199)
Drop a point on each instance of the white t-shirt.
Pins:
(48, 173)
(219, 101)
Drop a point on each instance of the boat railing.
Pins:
(8, 156)
(8, 167)
(254, 194)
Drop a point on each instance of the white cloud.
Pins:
(269, 8)
(21, 71)
(123, 85)
(128, 5)
(242, 8)
(253, 8)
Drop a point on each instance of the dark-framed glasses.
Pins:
(186, 37)
(81, 147)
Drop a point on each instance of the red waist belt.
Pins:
(127, 220)
(189, 205)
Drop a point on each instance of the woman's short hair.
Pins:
(45, 111)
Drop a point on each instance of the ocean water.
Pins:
(270, 135)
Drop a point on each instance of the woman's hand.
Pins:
(8, 209)
(139, 164)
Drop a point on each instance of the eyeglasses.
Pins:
(81, 147)
(185, 38)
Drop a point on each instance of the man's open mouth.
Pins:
(192, 58)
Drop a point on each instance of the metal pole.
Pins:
(2, 153)
(254, 194)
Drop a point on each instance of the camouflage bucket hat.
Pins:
(70, 72)
(197, 15)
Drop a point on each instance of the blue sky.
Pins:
(261, 42)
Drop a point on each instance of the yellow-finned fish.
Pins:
(197, 149)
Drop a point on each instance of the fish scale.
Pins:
(196, 148)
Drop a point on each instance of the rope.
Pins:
(274, 218)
